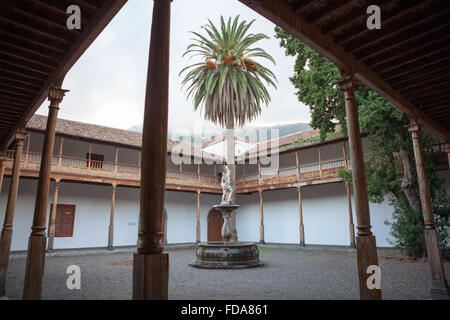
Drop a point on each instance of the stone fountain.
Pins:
(226, 254)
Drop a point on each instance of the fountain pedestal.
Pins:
(225, 254)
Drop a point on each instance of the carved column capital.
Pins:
(21, 135)
(414, 129)
(348, 83)
(300, 185)
(55, 95)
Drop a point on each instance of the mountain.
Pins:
(284, 130)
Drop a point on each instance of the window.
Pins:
(65, 217)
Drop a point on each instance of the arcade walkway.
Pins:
(289, 274)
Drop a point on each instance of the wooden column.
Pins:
(52, 218)
(320, 162)
(139, 163)
(259, 172)
(61, 143)
(116, 158)
(28, 149)
(439, 286)
(197, 229)
(447, 149)
(365, 240)
(3, 159)
(351, 226)
(261, 210)
(111, 217)
(344, 153)
(150, 265)
(300, 213)
(34, 272)
(297, 163)
(89, 158)
(5, 240)
(198, 173)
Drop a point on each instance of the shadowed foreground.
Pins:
(288, 274)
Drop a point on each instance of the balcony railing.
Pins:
(95, 168)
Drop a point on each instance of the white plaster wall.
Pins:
(325, 216)
(93, 203)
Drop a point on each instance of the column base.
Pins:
(366, 256)
(34, 272)
(352, 246)
(439, 291)
(110, 248)
(49, 250)
(439, 286)
(150, 276)
(302, 244)
(2, 288)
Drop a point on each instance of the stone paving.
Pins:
(288, 274)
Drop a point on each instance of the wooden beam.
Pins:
(327, 11)
(422, 46)
(398, 26)
(89, 33)
(388, 16)
(407, 36)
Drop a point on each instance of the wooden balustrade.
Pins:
(129, 171)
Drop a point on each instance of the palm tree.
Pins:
(227, 83)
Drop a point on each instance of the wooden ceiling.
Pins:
(407, 61)
(37, 49)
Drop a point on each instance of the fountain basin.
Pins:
(218, 255)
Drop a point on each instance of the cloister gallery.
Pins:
(93, 186)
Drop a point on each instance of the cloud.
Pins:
(108, 82)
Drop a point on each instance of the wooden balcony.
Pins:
(101, 172)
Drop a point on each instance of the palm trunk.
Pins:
(231, 164)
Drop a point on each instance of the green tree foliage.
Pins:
(390, 167)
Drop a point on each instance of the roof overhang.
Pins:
(406, 61)
(37, 49)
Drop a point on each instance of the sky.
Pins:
(107, 84)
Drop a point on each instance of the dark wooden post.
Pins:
(28, 149)
(116, 158)
(439, 286)
(365, 241)
(447, 149)
(111, 217)
(261, 210)
(344, 152)
(297, 163)
(5, 240)
(300, 213)
(3, 159)
(197, 229)
(150, 265)
(351, 226)
(320, 162)
(34, 272)
(61, 143)
(52, 218)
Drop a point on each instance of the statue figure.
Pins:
(227, 190)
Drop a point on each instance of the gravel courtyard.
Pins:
(288, 274)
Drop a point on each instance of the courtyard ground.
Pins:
(287, 274)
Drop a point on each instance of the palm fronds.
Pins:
(228, 84)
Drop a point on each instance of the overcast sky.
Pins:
(107, 84)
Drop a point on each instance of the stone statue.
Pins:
(227, 190)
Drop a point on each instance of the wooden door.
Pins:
(65, 218)
(215, 223)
